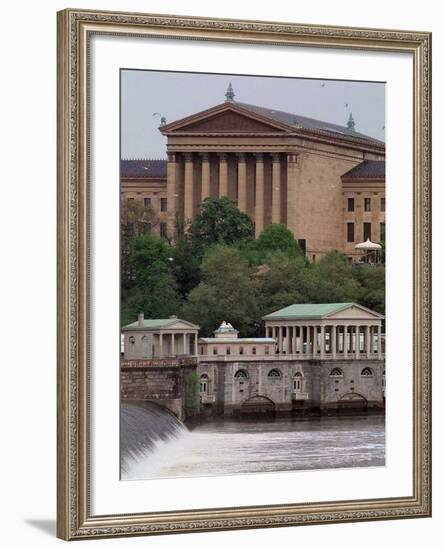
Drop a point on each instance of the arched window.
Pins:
(274, 373)
(254, 350)
(336, 372)
(214, 351)
(241, 374)
(241, 350)
(204, 383)
(367, 372)
(131, 340)
(298, 378)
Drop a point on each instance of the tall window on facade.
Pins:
(367, 205)
(163, 204)
(254, 350)
(162, 229)
(147, 201)
(367, 231)
(241, 350)
(228, 350)
(382, 204)
(382, 232)
(297, 381)
(204, 383)
(302, 243)
(351, 205)
(350, 232)
(214, 351)
(148, 228)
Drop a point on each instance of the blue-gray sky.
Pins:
(176, 95)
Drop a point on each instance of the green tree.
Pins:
(185, 266)
(154, 289)
(220, 221)
(372, 280)
(332, 279)
(136, 219)
(226, 293)
(281, 282)
(277, 237)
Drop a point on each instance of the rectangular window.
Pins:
(350, 232)
(366, 231)
(147, 201)
(148, 228)
(367, 205)
(228, 351)
(163, 204)
(382, 232)
(382, 204)
(163, 229)
(302, 243)
(350, 205)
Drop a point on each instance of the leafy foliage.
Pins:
(220, 221)
(226, 292)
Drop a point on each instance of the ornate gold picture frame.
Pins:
(76, 519)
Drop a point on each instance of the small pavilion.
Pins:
(326, 331)
(159, 338)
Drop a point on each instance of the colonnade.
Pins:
(170, 344)
(174, 176)
(328, 341)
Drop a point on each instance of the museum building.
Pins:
(325, 182)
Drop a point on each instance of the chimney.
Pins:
(141, 318)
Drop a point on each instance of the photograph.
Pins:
(252, 274)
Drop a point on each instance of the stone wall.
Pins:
(314, 387)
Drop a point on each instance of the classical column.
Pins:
(357, 342)
(206, 176)
(292, 185)
(367, 345)
(185, 343)
(241, 189)
(276, 188)
(334, 342)
(379, 341)
(160, 342)
(294, 340)
(189, 188)
(223, 176)
(345, 341)
(259, 194)
(280, 339)
(171, 192)
(314, 342)
(172, 344)
(322, 342)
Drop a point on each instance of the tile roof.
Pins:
(368, 169)
(307, 311)
(155, 324)
(298, 121)
(142, 168)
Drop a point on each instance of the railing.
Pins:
(160, 362)
(291, 357)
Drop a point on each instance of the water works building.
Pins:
(323, 357)
(325, 182)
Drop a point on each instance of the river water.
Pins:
(231, 446)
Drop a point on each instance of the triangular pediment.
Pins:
(355, 311)
(180, 324)
(225, 119)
